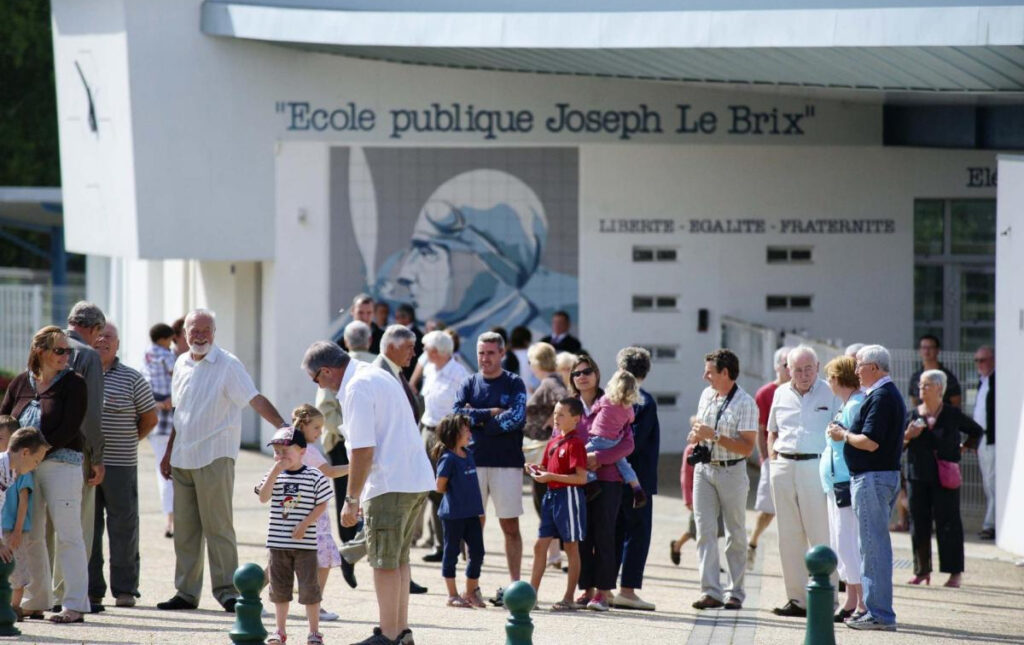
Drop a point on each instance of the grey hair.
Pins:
(357, 335)
(936, 376)
(851, 350)
(491, 337)
(780, 356)
(324, 353)
(200, 311)
(874, 354)
(87, 315)
(440, 341)
(635, 360)
(801, 350)
(395, 335)
(565, 360)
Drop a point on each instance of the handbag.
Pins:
(841, 489)
(949, 473)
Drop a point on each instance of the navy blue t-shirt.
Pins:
(497, 441)
(462, 497)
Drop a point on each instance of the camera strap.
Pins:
(728, 400)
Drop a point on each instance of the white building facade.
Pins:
(251, 158)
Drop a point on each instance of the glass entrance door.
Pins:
(954, 271)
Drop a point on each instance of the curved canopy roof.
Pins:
(909, 45)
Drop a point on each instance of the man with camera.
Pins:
(724, 434)
(801, 410)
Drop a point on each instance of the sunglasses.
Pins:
(60, 351)
(317, 376)
(586, 371)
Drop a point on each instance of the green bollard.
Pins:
(248, 626)
(520, 598)
(821, 562)
(7, 616)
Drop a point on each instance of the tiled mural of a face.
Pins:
(493, 242)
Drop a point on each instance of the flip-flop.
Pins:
(561, 605)
(459, 601)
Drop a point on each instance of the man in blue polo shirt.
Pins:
(874, 443)
(495, 401)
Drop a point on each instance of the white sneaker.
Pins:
(327, 616)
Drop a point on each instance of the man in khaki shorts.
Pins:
(389, 475)
(495, 400)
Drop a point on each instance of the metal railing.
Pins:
(24, 309)
(755, 347)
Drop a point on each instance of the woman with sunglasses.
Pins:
(598, 574)
(52, 397)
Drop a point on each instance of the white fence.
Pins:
(24, 309)
(755, 345)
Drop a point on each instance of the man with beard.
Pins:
(208, 391)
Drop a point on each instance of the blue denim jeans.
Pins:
(874, 495)
(625, 468)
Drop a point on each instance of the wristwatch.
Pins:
(716, 436)
(351, 500)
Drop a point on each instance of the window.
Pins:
(655, 303)
(662, 352)
(666, 399)
(654, 254)
(789, 255)
(788, 302)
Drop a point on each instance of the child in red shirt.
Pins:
(563, 511)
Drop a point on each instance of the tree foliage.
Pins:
(29, 154)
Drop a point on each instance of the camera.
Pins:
(701, 455)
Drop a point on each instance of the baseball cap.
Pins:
(288, 436)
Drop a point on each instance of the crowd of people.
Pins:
(416, 446)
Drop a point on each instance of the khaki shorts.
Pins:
(505, 487)
(287, 564)
(389, 522)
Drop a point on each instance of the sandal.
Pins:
(459, 601)
(315, 638)
(562, 605)
(33, 615)
(475, 598)
(67, 616)
(277, 638)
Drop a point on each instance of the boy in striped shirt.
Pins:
(563, 512)
(298, 495)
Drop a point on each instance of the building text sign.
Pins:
(740, 120)
(751, 226)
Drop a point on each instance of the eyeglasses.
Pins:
(586, 371)
(316, 376)
(981, 360)
(861, 365)
(60, 351)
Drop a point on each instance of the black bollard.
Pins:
(821, 562)
(7, 615)
(248, 627)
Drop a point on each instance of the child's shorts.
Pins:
(287, 564)
(327, 555)
(21, 576)
(563, 514)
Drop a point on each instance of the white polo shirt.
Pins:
(440, 389)
(377, 415)
(208, 396)
(800, 421)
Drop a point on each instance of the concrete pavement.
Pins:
(988, 609)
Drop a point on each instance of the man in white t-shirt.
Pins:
(208, 391)
(389, 474)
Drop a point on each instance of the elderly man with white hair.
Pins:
(442, 377)
(800, 413)
(874, 444)
(358, 338)
(208, 391)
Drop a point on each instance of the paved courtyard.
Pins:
(988, 609)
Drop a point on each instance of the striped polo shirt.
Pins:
(126, 397)
(296, 494)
